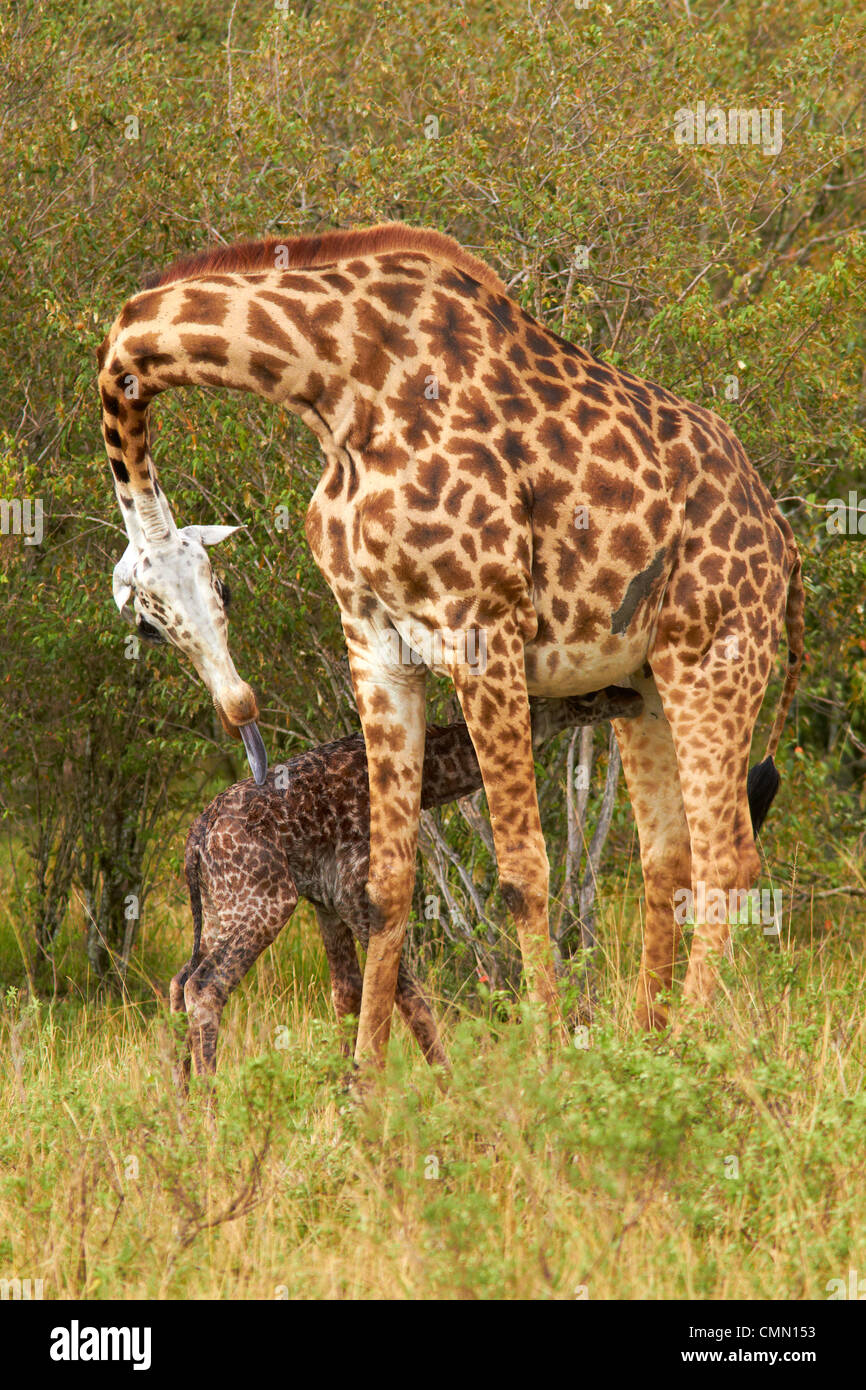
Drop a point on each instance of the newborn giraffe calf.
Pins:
(254, 851)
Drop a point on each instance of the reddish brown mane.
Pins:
(305, 251)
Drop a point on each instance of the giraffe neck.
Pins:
(281, 335)
(450, 766)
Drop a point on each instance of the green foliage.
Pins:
(525, 131)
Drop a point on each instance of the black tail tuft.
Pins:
(761, 788)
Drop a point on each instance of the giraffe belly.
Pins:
(597, 610)
(556, 670)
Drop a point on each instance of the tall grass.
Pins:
(728, 1162)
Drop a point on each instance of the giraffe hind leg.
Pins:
(650, 765)
(712, 707)
(248, 925)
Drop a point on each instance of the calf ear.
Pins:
(208, 535)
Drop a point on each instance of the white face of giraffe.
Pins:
(175, 597)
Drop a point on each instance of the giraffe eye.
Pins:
(224, 592)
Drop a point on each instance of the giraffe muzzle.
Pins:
(238, 712)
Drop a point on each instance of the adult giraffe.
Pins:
(481, 475)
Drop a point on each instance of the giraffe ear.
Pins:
(121, 581)
(208, 535)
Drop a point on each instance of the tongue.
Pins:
(256, 754)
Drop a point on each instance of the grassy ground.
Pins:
(729, 1162)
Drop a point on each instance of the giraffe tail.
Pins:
(764, 779)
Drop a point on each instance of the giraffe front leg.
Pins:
(391, 706)
(495, 705)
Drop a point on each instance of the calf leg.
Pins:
(347, 984)
(178, 1006)
(346, 980)
(413, 1005)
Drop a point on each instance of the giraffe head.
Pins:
(550, 717)
(165, 585)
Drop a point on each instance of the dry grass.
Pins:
(726, 1164)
